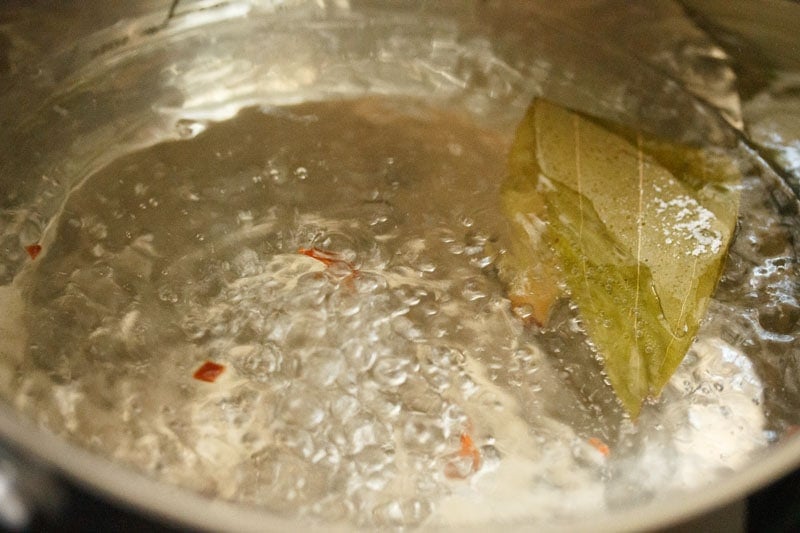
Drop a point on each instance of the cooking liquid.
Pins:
(350, 384)
(337, 258)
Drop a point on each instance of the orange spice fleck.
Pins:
(467, 450)
(209, 371)
(600, 446)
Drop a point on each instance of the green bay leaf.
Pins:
(637, 229)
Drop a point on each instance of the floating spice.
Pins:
(600, 446)
(323, 256)
(466, 461)
(330, 259)
(636, 229)
(209, 371)
(33, 250)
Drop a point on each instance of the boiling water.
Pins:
(349, 385)
(337, 258)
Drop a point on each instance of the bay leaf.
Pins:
(637, 230)
(529, 270)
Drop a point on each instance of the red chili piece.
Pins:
(33, 250)
(209, 372)
(325, 257)
(328, 259)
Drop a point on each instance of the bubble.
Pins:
(247, 263)
(404, 327)
(490, 457)
(524, 312)
(97, 230)
(367, 283)
(383, 404)
(297, 440)
(408, 296)
(474, 289)
(372, 459)
(305, 328)
(302, 409)
(323, 367)
(360, 433)
(188, 129)
(343, 303)
(455, 248)
(422, 434)
(390, 371)
(779, 317)
(438, 379)
(167, 294)
(193, 327)
(345, 407)
(257, 362)
(444, 357)
(359, 357)
(405, 512)
(276, 176)
(301, 173)
(428, 267)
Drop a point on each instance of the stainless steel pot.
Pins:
(82, 85)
